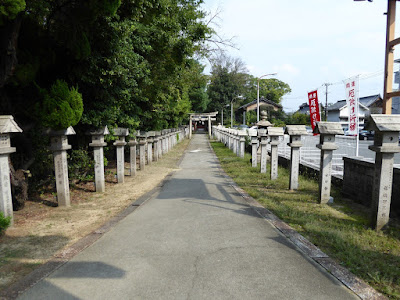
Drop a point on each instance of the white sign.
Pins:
(351, 89)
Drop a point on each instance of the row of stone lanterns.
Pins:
(232, 138)
(386, 144)
(157, 143)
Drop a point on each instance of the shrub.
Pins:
(4, 223)
(61, 106)
(9, 9)
(80, 165)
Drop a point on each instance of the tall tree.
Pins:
(131, 62)
(270, 88)
(227, 81)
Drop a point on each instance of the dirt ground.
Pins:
(42, 230)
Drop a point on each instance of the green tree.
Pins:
(270, 88)
(227, 82)
(298, 118)
(133, 62)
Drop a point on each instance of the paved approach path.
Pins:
(195, 239)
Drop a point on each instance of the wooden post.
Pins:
(389, 55)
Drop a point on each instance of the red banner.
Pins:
(314, 108)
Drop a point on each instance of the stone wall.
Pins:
(358, 181)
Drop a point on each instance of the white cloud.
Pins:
(287, 69)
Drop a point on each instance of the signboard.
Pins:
(314, 108)
(351, 89)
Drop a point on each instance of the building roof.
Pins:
(364, 101)
(262, 99)
(304, 109)
(369, 100)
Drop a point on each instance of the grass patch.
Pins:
(341, 229)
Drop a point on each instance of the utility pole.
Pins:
(389, 55)
(326, 100)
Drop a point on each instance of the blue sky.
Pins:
(308, 42)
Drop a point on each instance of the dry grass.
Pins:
(42, 230)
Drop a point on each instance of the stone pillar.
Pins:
(209, 127)
(242, 142)
(327, 131)
(386, 144)
(142, 150)
(295, 132)
(150, 141)
(262, 135)
(98, 154)
(162, 140)
(59, 146)
(7, 126)
(120, 145)
(132, 154)
(274, 133)
(156, 145)
(190, 127)
(237, 140)
(232, 140)
(254, 145)
(170, 140)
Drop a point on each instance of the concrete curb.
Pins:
(355, 284)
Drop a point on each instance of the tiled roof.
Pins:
(366, 101)
(262, 99)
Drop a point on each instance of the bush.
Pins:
(9, 9)
(80, 165)
(4, 223)
(61, 106)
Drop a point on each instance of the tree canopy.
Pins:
(132, 61)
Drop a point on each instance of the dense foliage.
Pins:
(90, 63)
(61, 106)
(132, 60)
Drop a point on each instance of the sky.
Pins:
(308, 43)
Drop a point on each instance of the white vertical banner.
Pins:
(351, 89)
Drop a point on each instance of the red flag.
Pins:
(314, 108)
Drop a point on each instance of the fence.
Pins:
(310, 154)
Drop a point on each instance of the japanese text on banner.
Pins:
(351, 89)
(314, 108)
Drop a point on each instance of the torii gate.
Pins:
(202, 117)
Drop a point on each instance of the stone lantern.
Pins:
(120, 145)
(264, 123)
(142, 149)
(132, 153)
(254, 145)
(157, 147)
(327, 131)
(274, 133)
(98, 144)
(242, 141)
(386, 144)
(7, 126)
(59, 146)
(150, 141)
(164, 133)
(295, 132)
(262, 135)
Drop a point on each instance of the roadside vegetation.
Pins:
(340, 229)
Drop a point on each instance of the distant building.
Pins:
(304, 109)
(396, 100)
(265, 104)
(338, 112)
